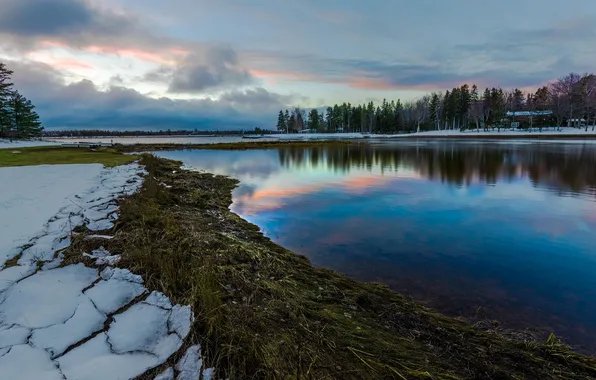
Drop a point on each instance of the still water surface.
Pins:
(498, 230)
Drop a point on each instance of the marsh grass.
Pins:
(264, 312)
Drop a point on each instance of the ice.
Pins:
(24, 362)
(190, 364)
(10, 336)
(159, 299)
(46, 298)
(144, 328)
(116, 291)
(180, 320)
(168, 374)
(94, 360)
(31, 195)
(56, 339)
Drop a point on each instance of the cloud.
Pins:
(84, 105)
(215, 68)
(74, 21)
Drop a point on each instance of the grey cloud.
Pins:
(58, 18)
(216, 68)
(83, 105)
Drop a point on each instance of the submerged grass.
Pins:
(264, 312)
(54, 155)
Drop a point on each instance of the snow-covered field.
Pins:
(5, 144)
(75, 321)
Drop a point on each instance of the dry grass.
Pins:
(54, 155)
(264, 312)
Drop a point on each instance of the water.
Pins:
(498, 230)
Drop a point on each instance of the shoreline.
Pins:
(266, 312)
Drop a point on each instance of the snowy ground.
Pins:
(78, 322)
(4, 144)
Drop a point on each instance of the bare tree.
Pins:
(565, 90)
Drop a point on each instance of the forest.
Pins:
(18, 118)
(567, 101)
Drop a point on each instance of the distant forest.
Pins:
(18, 118)
(167, 132)
(572, 100)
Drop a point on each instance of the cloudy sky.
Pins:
(224, 64)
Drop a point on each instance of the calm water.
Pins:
(483, 230)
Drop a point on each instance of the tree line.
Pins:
(18, 118)
(570, 100)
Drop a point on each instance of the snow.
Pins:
(190, 364)
(143, 328)
(47, 298)
(168, 374)
(28, 363)
(159, 299)
(15, 335)
(6, 144)
(103, 257)
(57, 338)
(94, 360)
(113, 293)
(53, 319)
(48, 187)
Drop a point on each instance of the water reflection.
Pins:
(495, 230)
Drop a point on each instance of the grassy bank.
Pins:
(264, 312)
(54, 155)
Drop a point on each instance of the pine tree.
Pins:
(24, 121)
(434, 110)
(5, 95)
(281, 121)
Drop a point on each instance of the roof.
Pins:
(529, 113)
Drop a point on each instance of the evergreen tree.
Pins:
(5, 95)
(24, 120)
(281, 122)
(434, 110)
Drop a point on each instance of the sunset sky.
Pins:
(230, 64)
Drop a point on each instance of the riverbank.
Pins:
(265, 312)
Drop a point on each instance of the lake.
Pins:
(485, 230)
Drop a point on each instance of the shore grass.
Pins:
(264, 312)
(54, 155)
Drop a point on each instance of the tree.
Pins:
(24, 120)
(565, 91)
(287, 120)
(5, 95)
(313, 120)
(433, 111)
(281, 122)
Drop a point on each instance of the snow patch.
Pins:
(46, 298)
(116, 291)
(11, 336)
(190, 364)
(159, 299)
(57, 338)
(27, 363)
(143, 328)
(103, 257)
(168, 374)
(11, 275)
(94, 360)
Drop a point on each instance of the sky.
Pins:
(232, 64)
